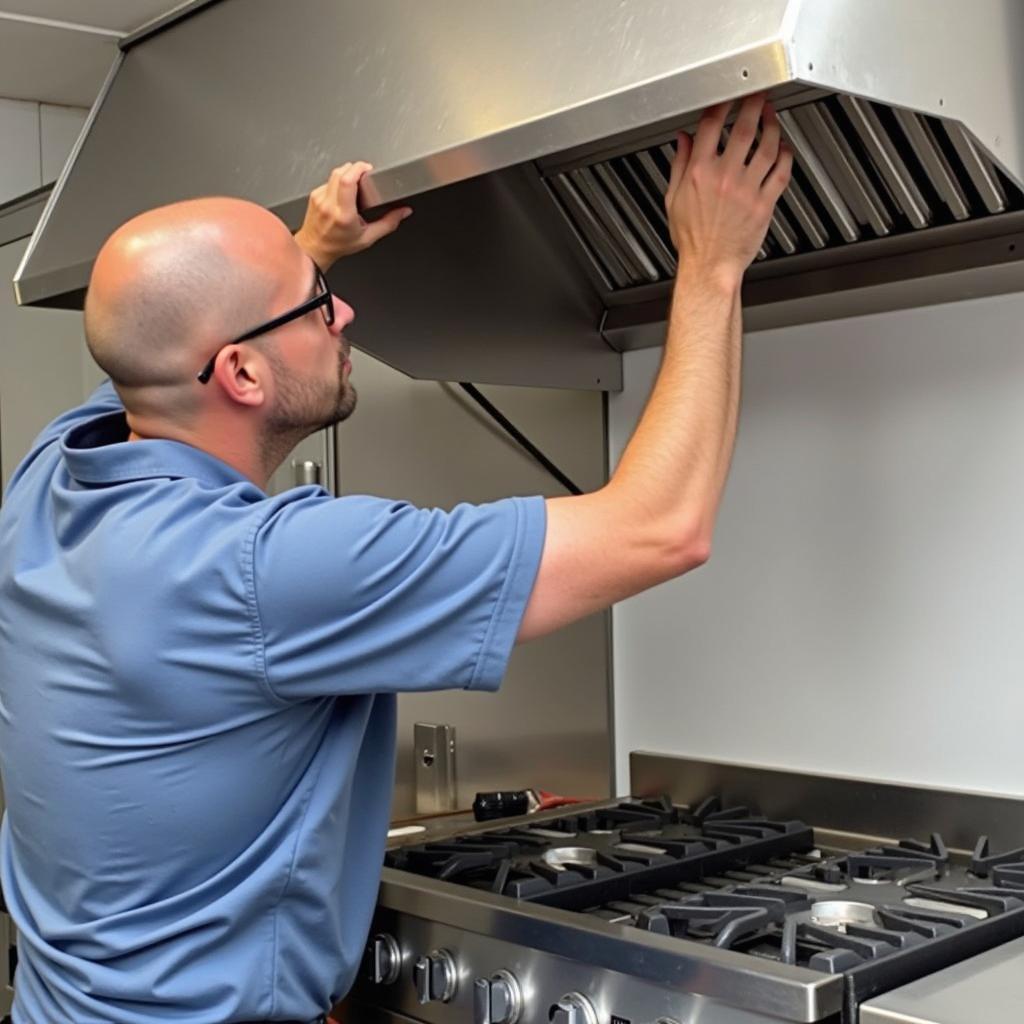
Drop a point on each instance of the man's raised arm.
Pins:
(655, 517)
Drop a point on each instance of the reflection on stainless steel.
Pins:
(858, 190)
(811, 884)
(926, 147)
(840, 913)
(806, 215)
(781, 231)
(584, 223)
(637, 262)
(654, 175)
(638, 222)
(853, 807)
(435, 767)
(531, 94)
(563, 857)
(893, 170)
(638, 848)
(986, 989)
(424, 914)
(794, 124)
(945, 908)
(980, 169)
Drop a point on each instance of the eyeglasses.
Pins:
(324, 299)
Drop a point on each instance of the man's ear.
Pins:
(242, 373)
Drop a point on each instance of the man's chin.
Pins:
(345, 407)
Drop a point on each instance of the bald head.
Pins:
(173, 284)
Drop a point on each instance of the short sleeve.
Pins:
(364, 595)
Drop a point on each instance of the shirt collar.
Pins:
(98, 451)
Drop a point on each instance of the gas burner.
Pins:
(908, 862)
(1005, 869)
(602, 855)
(723, 918)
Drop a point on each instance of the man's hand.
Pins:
(719, 206)
(660, 504)
(333, 226)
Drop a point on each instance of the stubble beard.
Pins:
(304, 407)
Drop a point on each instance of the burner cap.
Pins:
(567, 857)
(840, 913)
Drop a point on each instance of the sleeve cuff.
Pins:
(530, 526)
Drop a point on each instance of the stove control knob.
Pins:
(573, 1008)
(435, 976)
(385, 960)
(497, 999)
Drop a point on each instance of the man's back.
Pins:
(180, 782)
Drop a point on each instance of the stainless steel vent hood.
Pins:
(534, 139)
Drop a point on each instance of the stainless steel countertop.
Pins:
(987, 989)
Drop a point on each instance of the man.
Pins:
(197, 680)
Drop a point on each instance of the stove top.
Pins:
(729, 878)
(608, 853)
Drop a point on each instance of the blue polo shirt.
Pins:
(197, 717)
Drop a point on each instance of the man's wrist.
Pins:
(318, 255)
(723, 279)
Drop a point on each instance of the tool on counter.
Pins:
(510, 803)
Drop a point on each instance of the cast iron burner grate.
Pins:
(880, 918)
(605, 854)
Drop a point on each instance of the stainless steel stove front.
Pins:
(552, 988)
(566, 968)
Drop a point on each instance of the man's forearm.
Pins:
(675, 466)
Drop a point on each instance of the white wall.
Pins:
(35, 140)
(863, 609)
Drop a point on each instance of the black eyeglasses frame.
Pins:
(323, 299)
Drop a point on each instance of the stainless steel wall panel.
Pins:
(870, 807)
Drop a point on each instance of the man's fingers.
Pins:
(684, 148)
(768, 148)
(709, 131)
(385, 224)
(346, 193)
(743, 131)
(776, 182)
(334, 178)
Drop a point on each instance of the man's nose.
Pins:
(344, 314)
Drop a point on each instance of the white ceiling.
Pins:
(59, 51)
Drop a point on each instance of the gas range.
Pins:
(648, 910)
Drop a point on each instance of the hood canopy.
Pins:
(532, 139)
